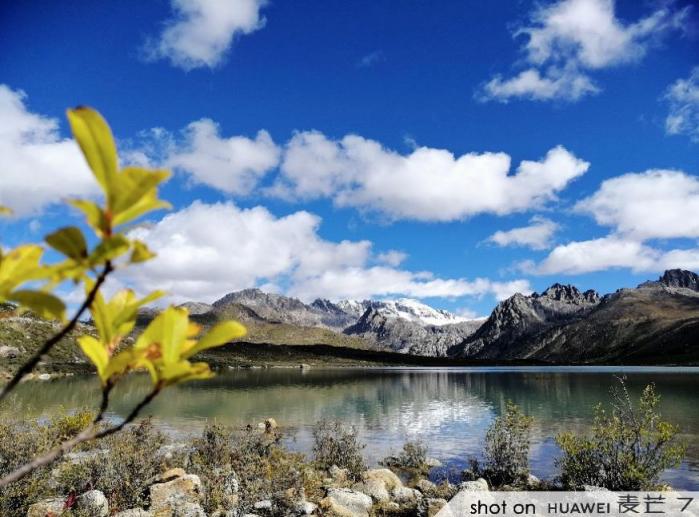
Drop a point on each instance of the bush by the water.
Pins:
(335, 443)
(412, 459)
(506, 453)
(628, 449)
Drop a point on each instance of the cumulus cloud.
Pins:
(392, 257)
(597, 255)
(653, 204)
(201, 32)
(639, 208)
(233, 165)
(683, 98)
(612, 252)
(31, 147)
(208, 250)
(537, 235)
(426, 185)
(570, 38)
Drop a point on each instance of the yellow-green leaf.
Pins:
(93, 213)
(134, 183)
(140, 252)
(95, 139)
(5, 210)
(97, 353)
(109, 249)
(146, 204)
(183, 371)
(221, 334)
(44, 304)
(69, 241)
(21, 265)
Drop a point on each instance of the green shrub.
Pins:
(506, 453)
(412, 459)
(25, 439)
(253, 460)
(122, 467)
(337, 444)
(628, 449)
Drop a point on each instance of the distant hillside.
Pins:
(655, 323)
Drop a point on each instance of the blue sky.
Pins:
(573, 122)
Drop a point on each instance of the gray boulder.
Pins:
(93, 504)
(346, 502)
(53, 505)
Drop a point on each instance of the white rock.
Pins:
(263, 505)
(350, 501)
(8, 352)
(374, 487)
(134, 512)
(93, 504)
(306, 508)
(387, 476)
(404, 495)
(479, 485)
(53, 505)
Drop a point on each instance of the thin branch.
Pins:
(46, 347)
(105, 402)
(93, 432)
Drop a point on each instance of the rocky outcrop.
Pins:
(680, 278)
(523, 316)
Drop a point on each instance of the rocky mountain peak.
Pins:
(570, 294)
(325, 305)
(680, 278)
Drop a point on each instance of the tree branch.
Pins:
(93, 432)
(46, 347)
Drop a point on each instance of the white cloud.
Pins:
(234, 165)
(638, 207)
(570, 38)
(38, 167)
(564, 84)
(427, 184)
(612, 252)
(648, 205)
(392, 257)
(206, 251)
(683, 97)
(597, 255)
(202, 31)
(537, 235)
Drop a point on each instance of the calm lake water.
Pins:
(449, 409)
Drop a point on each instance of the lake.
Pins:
(447, 408)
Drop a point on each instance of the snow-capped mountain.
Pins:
(403, 308)
(417, 312)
